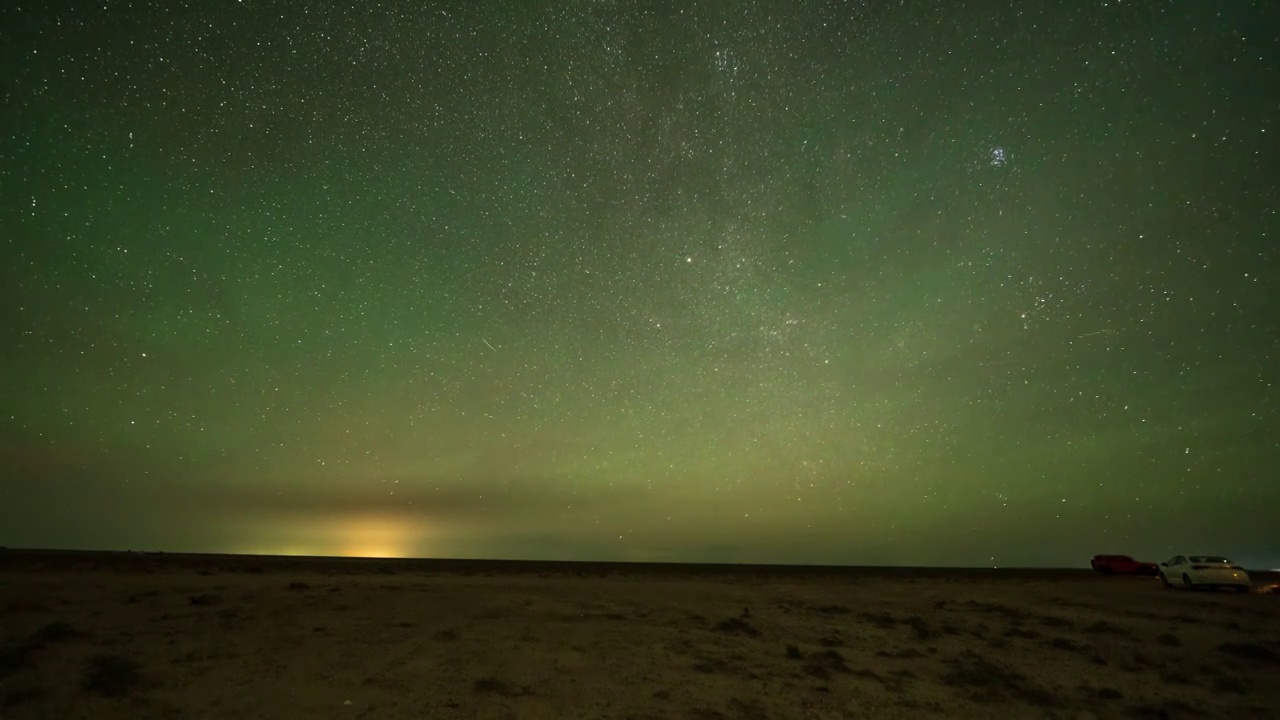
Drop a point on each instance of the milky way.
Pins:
(820, 282)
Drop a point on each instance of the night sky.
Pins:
(970, 283)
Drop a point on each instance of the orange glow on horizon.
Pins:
(376, 537)
(371, 536)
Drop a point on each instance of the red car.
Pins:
(1123, 565)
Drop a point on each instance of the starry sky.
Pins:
(979, 283)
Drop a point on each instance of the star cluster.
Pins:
(817, 282)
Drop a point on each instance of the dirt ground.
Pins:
(147, 636)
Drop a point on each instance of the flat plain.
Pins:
(139, 635)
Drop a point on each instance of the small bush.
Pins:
(1250, 651)
(736, 625)
(494, 686)
(1102, 627)
(1061, 643)
(820, 664)
(881, 620)
(1108, 693)
(55, 631)
(111, 676)
(924, 631)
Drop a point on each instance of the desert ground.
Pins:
(162, 636)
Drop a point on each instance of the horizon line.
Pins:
(410, 559)
(11, 550)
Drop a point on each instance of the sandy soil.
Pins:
(132, 636)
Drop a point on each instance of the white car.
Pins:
(1193, 571)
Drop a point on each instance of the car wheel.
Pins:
(1186, 582)
(1164, 581)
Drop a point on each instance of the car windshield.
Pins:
(1209, 559)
